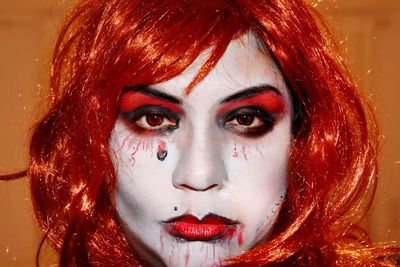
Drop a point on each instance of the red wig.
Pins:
(109, 44)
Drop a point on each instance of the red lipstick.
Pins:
(190, 228)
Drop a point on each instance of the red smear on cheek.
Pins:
(133, 100)
(270, 101)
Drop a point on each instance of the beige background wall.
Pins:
(368, 29)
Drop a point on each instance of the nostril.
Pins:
(198, 189)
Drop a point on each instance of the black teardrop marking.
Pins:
(162, 154)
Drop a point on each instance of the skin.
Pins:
(213, 165)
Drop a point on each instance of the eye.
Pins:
(151, 119)
(154, 121)
(249, 121)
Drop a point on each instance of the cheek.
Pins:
(143, 168)
(126, 147)
(257, 174)
(133, 152)
(257, 165)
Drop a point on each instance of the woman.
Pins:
(203, 133)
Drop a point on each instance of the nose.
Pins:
(200, 167)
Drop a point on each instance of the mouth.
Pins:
(211, 227)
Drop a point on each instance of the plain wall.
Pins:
(369, 31)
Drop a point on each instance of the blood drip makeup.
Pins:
(162, 151)
(220, 154)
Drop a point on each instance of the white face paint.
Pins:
(204, 180)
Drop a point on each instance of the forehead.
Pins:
(243, 65)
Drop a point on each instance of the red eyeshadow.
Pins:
(133, 100)
(270, 101)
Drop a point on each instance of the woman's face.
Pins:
(202, 177)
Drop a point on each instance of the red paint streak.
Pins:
(136, 148)
(115, 154)
(162, 241)
(192, 229)
(202, 248)
(147, 144)
(235, 153)
(133, 156)
(259, 152)
(240, 236)
(230, 233)
(187, 255)
(270, 101)
(214, 251)
(143, 145)
(162, 146)
(244, 152)
(171, 257)
(132, 100)
(123, 142)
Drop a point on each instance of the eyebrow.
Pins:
(147, 90)
(249, 92)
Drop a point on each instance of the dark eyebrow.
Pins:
(147, 90)
(251, 91)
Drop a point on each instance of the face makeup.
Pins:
(189, 228)
(202, 177)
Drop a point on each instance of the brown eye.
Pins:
(245, 120)
(251, 121)
(154, 119)
(151, 119)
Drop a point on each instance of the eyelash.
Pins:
(247, 121)
(141, 119)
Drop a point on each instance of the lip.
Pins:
(210, 227)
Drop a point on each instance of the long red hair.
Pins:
(108, 44)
